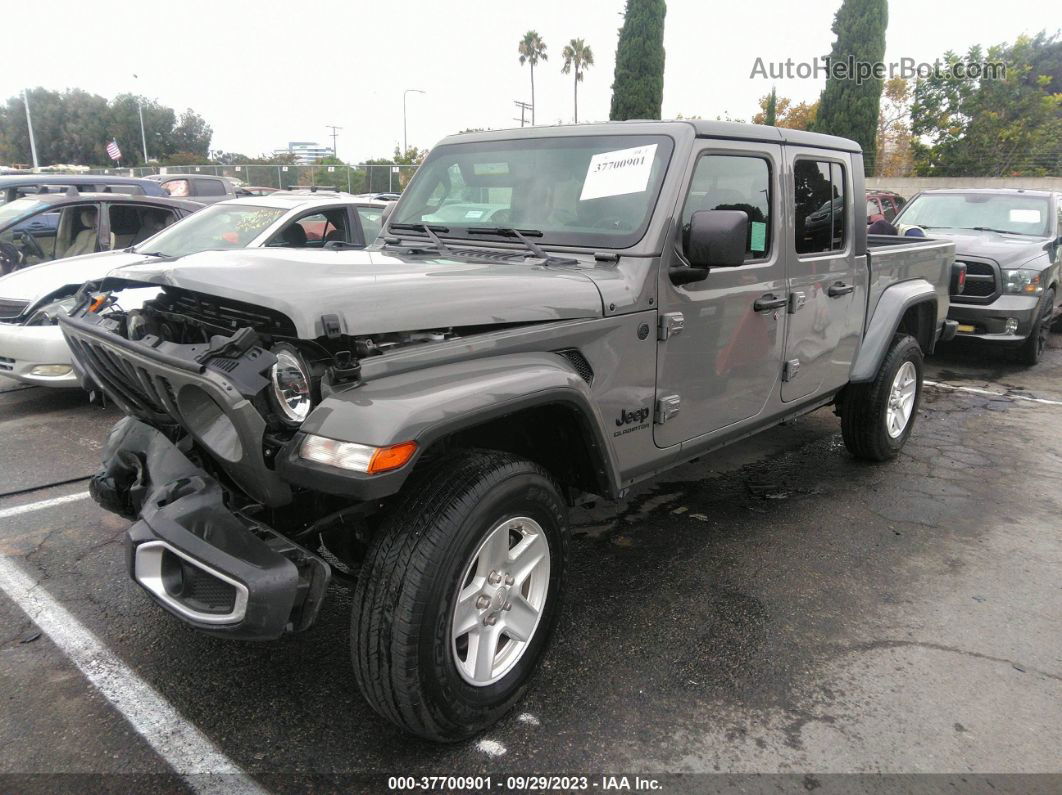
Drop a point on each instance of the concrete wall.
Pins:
(909, 186)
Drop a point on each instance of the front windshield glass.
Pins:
(579, 190)
(1002, 212)
(19, 208)
(221, 226)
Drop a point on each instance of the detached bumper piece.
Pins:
(218, 570)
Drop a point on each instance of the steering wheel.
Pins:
(10, 258)
(30, 242)
(613, 222)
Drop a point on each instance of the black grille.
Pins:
(10, 308)
(148, 394)
(980, 280)
(579, 362)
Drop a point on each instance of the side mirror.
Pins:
(716, 238)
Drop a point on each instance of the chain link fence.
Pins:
(361, 178)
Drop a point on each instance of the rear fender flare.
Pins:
(894, 302)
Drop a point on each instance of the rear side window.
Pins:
(735, 182)
(176, 187)
(209, 187)
(820, 202)
(371, 221)
(890, 211)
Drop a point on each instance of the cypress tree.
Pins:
(638, 87)
(772, 109)
(847, 108)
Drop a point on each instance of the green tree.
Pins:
(993, 125)
(786, 114)
(532, 50)
(192, 134)
(638, 86)
(578, 57)
(770, 113)
(849, 105)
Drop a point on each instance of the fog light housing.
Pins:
(356, 457)
(51, 370)
(1011, 326)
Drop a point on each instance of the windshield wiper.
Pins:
(429, 231)
(149, 253)
(521, 235)
(1000, 231)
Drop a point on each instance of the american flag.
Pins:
(114, 151)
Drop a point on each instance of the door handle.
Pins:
(838, 289)
(769, 301)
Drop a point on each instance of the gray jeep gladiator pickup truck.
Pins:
(549, 314)
(1011, 244)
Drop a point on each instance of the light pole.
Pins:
(29, 126)
(143, 135)
(405, 140)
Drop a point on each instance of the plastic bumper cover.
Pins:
(989, 321)
(217, 570)
(24, 348)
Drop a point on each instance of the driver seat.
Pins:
(84, 242)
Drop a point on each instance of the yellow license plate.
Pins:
(967, 329)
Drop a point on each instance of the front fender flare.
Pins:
(881, 327)
(426, 405)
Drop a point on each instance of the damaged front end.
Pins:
(216, 568)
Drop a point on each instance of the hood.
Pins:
(374, 293)
(38, 281)
(1010, 251)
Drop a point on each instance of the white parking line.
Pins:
(38, 506)
(978, 391)
(191, 755)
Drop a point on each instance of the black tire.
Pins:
(404, 660)
(1036, 343)
(864, 407)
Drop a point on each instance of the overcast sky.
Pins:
(264, 73)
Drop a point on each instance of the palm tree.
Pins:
(579, 55)
(532, 50)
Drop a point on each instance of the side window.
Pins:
(371, 221)
(176, 187)
(209, 187)
(734, 182)
(872, 209)
(890, 211)
(819, 201)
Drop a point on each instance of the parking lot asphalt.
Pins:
(776, 607)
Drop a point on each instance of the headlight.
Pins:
(291, 385)
(356, 457)
(48, 315)
(1022, 282)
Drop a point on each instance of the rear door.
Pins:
(723, 366)
(826, 290)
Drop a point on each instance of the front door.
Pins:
(826, 289)
(724, 364)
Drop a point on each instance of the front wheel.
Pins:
(1036, 343)
(459, 593)
(877, 417)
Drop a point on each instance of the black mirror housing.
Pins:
(716, 238)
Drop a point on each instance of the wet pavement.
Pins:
(776, 607)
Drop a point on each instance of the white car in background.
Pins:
(32, 348)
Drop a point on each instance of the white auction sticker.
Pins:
(619, 172)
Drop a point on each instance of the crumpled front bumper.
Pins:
(23, 349)
(216, 569)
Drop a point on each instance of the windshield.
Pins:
(579, 190)
(218, 227)
(1002, 212)
(19, 208)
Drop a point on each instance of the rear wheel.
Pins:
(1036, 343)
(877, 417)
(458, 594)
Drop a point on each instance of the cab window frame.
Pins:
(771, 207)
(846, 207)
